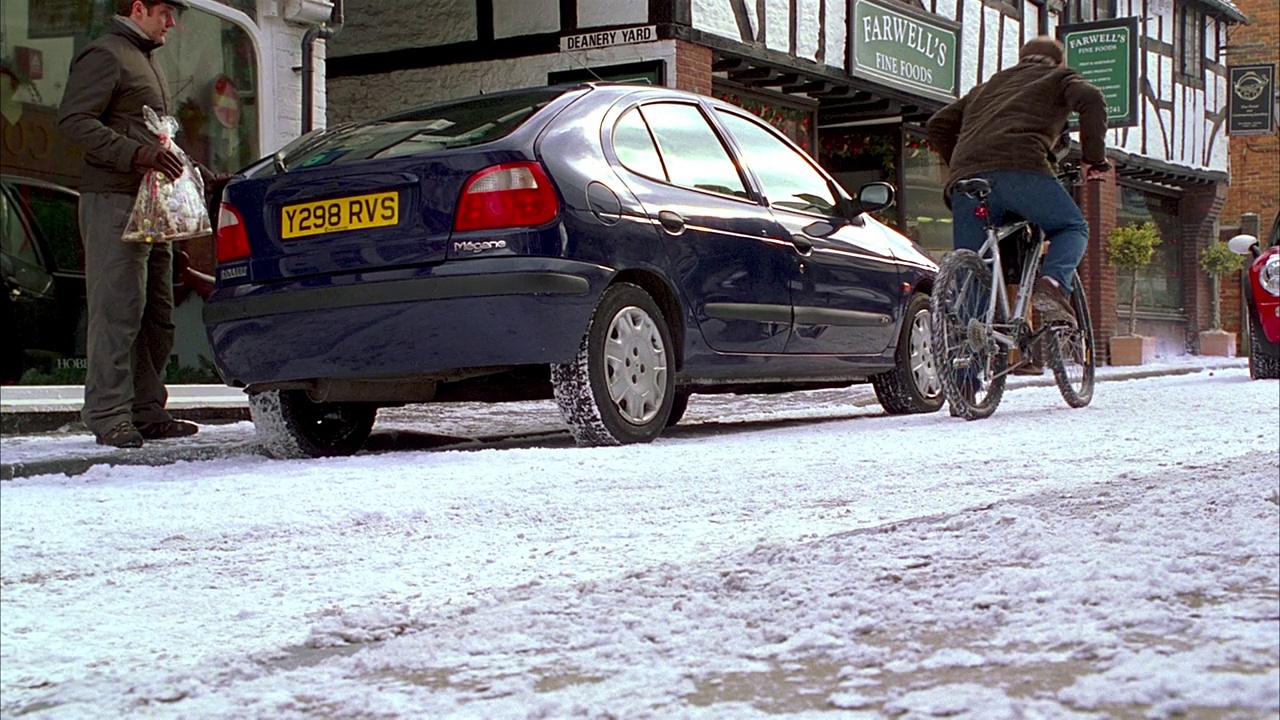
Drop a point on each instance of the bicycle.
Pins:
(974, 327)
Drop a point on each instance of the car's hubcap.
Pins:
(922, 368)
(635, 363)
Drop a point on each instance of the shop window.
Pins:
(1088, 10)
(857, 156)
(1160, 282)
(1189, 35)
(788, 180)
(927, 218)
(691, 151)
(794, 121)
(209, 62)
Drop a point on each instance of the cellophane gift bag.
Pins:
(168, 209)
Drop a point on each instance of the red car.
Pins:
(1262, 294)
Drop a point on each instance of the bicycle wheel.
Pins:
(1072, 355)
(970, 363)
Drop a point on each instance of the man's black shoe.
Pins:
(122, 435)
(166, 429)
(1053, 304)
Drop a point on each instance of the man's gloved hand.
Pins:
(1096, 171)
(156, 157)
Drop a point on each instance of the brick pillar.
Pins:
(1098, 202)
(1198, 217)
(693, 67)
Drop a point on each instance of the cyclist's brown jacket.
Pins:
(1012, 121)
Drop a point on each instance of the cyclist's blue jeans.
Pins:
(1037, 197)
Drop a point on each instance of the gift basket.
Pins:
(168, 209)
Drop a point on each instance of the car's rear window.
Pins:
(435, 127)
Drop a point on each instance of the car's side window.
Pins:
(55, 215)
(691, 151)
(16, 241)
(787, 178)
(634, 146)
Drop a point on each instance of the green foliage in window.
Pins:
(1218, 260)
(1130, 247)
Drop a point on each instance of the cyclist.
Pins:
(1004, 130)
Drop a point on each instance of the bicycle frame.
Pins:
(990, 254)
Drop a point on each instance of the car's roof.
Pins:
(33, 182)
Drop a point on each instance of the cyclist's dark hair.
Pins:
(1043, 46)
(125, 7)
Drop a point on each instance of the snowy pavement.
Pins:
(796, 555)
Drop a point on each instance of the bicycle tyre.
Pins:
(970, 366)
(1072, 353)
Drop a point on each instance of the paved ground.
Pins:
(40, 430)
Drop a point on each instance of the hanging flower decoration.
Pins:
(795, 124)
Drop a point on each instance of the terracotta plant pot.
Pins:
(1132, 349)
(1218, 342)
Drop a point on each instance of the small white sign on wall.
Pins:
(606, 38)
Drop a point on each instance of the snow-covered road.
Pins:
(798, 556)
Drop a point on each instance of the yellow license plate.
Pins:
(359, 212)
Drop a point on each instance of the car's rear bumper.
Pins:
(424, 322)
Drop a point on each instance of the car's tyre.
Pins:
(913, 385)
(621, 387)
(679, 403)
(970, 364)
(1072, 354)
(290, 425)
(1264, 355)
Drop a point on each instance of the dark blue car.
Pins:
(617, 247)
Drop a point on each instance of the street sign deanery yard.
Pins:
(1106, 53)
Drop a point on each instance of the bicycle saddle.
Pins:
(973, 187)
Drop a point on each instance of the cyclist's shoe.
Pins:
(1053, 304)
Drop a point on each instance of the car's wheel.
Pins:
(621, 387)
(1264, 355)
(290, 425)
(913, 386)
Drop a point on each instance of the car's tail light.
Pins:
(514, 194)
(232, 242)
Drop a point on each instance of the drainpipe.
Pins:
(318, 32)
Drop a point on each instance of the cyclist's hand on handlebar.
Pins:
(1095, 172)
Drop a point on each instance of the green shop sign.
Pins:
(1106, 54)
(905, 48)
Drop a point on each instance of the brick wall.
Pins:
(1255, 159)
(693, 67)
(1098, 202)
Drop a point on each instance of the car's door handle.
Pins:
(803, 244)
(671, 222)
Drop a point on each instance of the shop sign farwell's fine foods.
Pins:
(903, 47)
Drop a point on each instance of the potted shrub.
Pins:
(1218, 260)
(1131, 247)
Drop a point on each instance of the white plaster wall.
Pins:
(807, 29)
(969, 34)
(778, 25)
(837, 35)
(991, 48)
(947, 8)
(715, 17)
(362, 98)
(380, 25)
(594, 13)
(1012, 43)
(512, 18)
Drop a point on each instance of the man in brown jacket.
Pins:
(1004, 130)
(130, 291)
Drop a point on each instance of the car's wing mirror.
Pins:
(1243, 245)
(875, 196)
